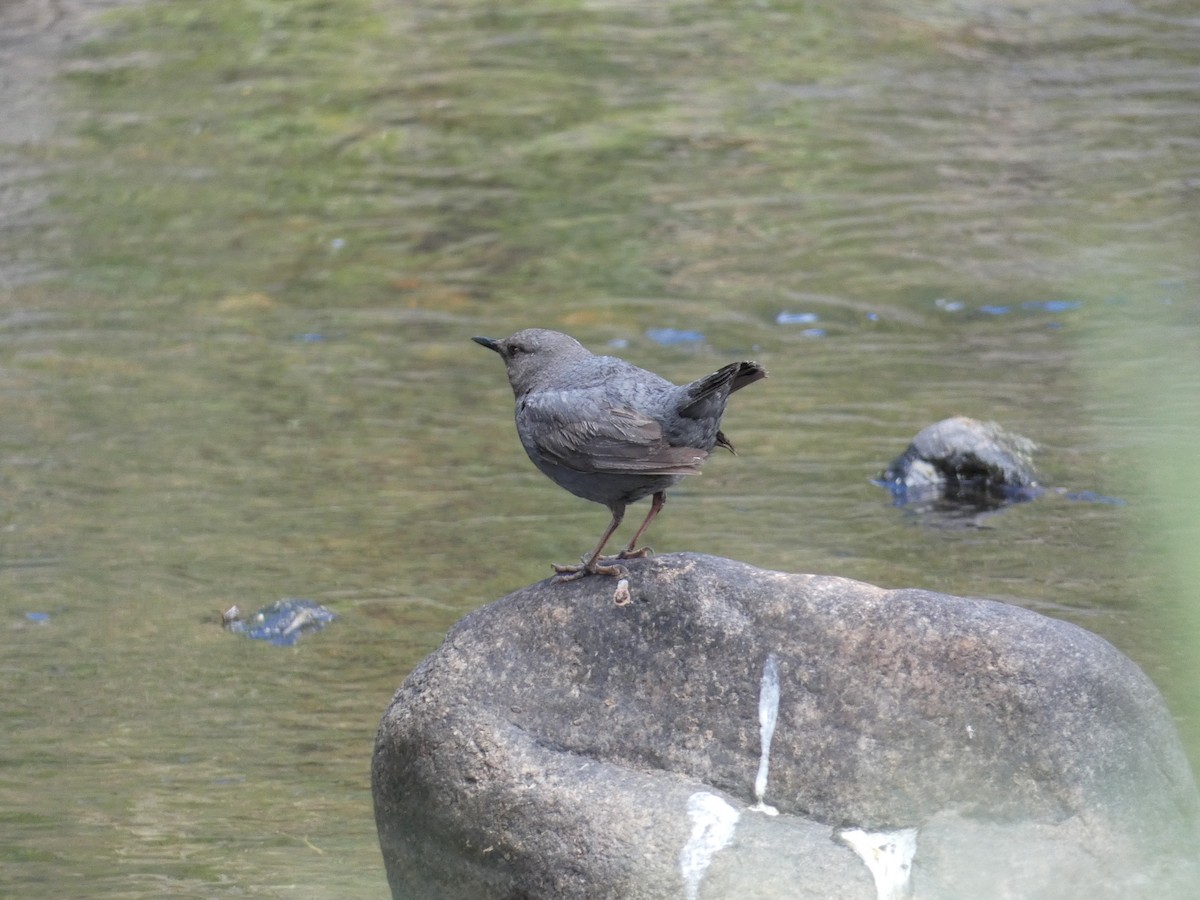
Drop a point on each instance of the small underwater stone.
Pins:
(791, 318)
(672, 336)
(1051, 306)
(282, 623)
(1046, 306)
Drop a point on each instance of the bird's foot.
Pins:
(639, 553)
(596, 567)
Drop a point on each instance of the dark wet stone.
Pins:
(558, 745)
(962, 459)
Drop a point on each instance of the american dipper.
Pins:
(610, 432)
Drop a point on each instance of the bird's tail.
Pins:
(723, 382)
(746, 373)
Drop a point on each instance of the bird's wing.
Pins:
(592, 438)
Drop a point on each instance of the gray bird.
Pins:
(610, 432)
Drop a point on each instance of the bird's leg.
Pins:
(591, 564)
(632, 551)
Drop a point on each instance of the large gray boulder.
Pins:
(575, 741)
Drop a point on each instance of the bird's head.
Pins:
(532, 357)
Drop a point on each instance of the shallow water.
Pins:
(279, 224)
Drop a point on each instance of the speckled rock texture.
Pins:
(560, 745)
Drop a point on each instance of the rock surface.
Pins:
(559, 745)
(964, 460)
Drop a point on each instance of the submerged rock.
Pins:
(282, 623)
(732, 732)
(669, 337)
(964, 460)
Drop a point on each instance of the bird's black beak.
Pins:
(490, 343)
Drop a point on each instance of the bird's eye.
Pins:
(515, 350)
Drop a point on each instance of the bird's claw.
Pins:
(627, 553)
(573, 573)
(639, 553)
